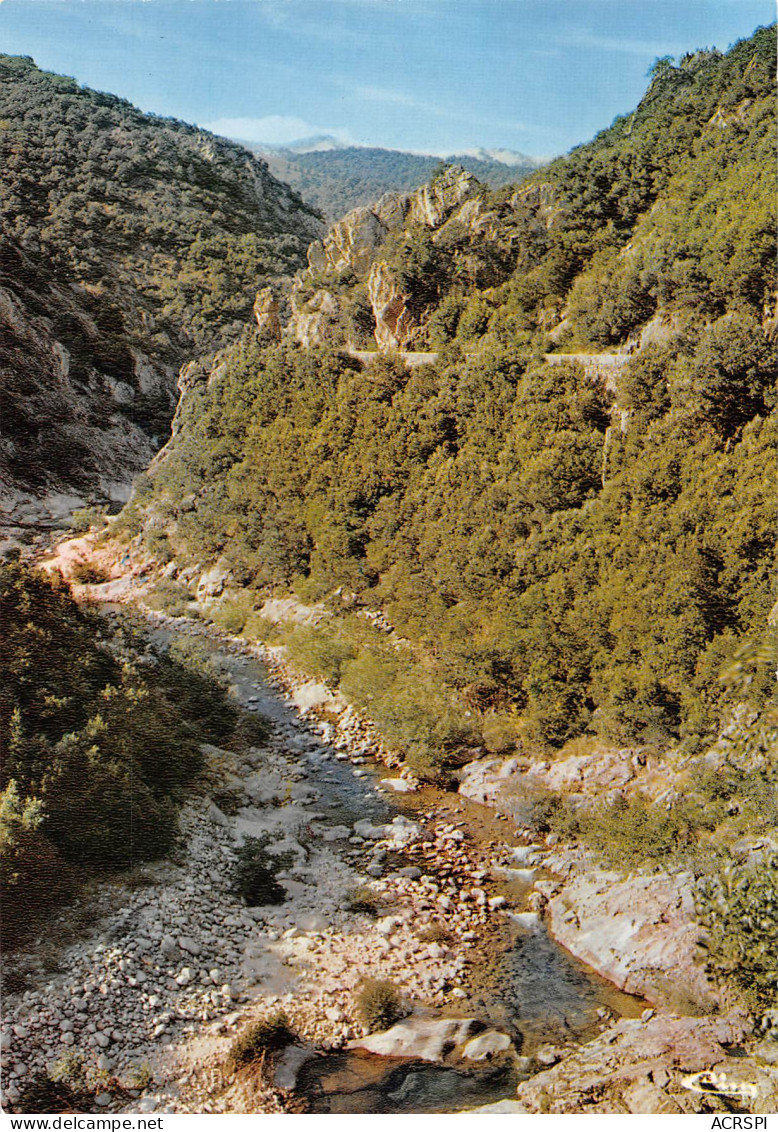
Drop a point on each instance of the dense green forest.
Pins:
(100, 733)
(128, 243)
(559, 557)
(339, 179)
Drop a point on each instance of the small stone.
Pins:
(184, 976)
(102, 1040)
(647, 1015)
(103, 1099)
(20, 1069)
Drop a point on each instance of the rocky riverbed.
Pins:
(142, 1012)
(383, 879)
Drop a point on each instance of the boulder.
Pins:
(620, 1069)
(638, 932)
(214, 580)
(485, 1046)
(288, 1065)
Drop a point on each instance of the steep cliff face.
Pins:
(129, 244)
(80, 412)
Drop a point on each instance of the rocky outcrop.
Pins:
(434, 203)
(352, 249)
(639, 932)
(641, 1066)
(349, 244)
(394, 322)
(75, 411)
(267, 315)
(314, 317)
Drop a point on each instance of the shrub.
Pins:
(259, 628)
(435, 933)
(427, 763)
(88, 574)
(379, 1004)
(502, 732)
(633, 831)
(739, 912)
(169, 597)
(158, 544)
(254, 877)
(232, 612)
(319, 652)
(363, 899)
(269, 1035)
(85, 519)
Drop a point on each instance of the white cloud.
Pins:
(275, 129)
(642, 48)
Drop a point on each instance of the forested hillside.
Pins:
(344, 177)
(129, 243)
(560, 555)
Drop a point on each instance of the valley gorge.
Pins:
(435, 636)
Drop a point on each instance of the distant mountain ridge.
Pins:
(335, 177)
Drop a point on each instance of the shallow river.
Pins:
(525, 984)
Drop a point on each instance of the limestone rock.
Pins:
(429, 1039)
(314, 316)
(486, 1045)
(611, 1073)
(639, 932)
(434, 203)
(349, 243)
(289, 1064)
(213, 581)
(394, 322)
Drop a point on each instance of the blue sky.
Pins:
(437, 76)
